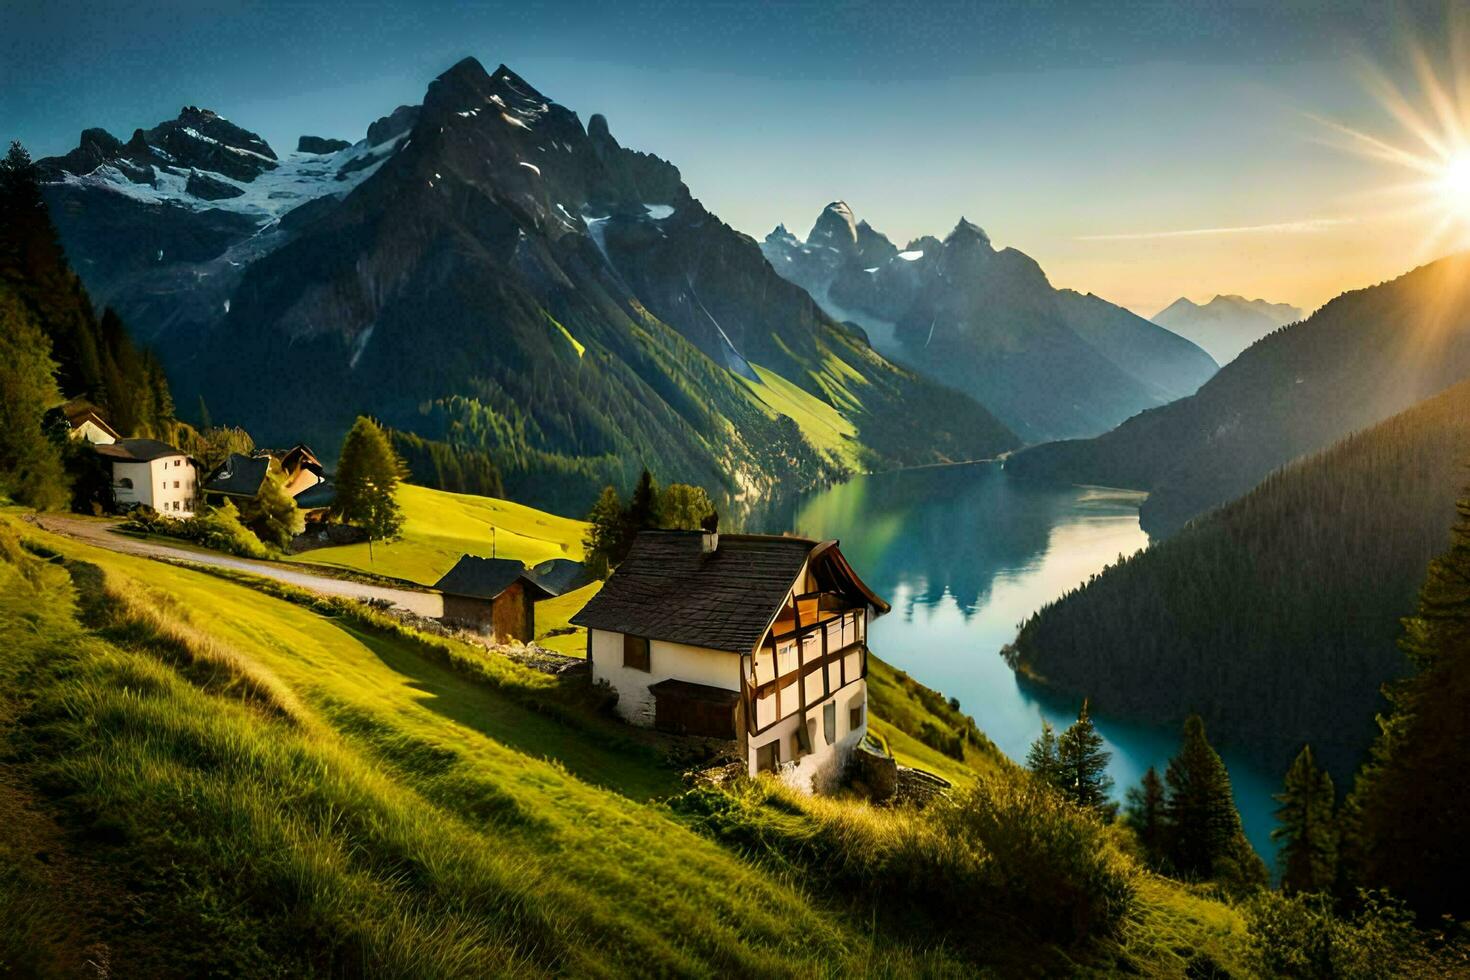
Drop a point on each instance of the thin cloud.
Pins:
(1278, 228)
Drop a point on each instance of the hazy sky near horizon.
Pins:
(1141, 151)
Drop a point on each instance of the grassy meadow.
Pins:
(212, 774)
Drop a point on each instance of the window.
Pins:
(829, 721)
(163, 485)
(176, 484)
(855, 717)
(768, 756)
(803, 739)
(126, 483)
(635, 652)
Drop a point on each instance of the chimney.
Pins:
(709, 542)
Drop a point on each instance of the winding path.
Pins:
(101, 534)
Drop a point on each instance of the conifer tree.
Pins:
(1308, 837)
(272, 513)
(1042, 760)
(1205, 838)
(605, 543)
(368, 472)
(1408, 806)
(643, 508)
(1144, 812)
(30, 463)
(1082, 763)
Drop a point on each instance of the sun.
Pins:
(1454, 183)
(1428, 143)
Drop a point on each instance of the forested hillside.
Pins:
(96, 358)
(1275, 617)
(1361, 358)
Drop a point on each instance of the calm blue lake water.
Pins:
(965, 554)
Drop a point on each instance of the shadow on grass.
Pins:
(631, 773)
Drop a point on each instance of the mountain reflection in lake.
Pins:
(965, 553)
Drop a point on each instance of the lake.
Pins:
(965, 553)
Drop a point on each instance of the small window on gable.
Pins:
(635, 652)
(829, 721)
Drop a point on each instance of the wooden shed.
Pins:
(493, 595)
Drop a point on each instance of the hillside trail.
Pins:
(102, 534)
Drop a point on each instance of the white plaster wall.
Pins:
(697, 665)
(165, 473)
(821, 770)
(141, 474)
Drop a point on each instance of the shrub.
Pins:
(1300, 936)
(1006, 851)
(217, 528)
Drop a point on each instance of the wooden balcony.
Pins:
(804, 666)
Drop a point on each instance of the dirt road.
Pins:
(101, 534)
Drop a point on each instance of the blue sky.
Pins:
(1080, 133)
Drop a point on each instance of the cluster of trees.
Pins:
(1400, 829)
(1276, 618)
(448, 467)
(95, 357)
(1186, 823)
(53, 346)
(616, 523)
(1074, 763)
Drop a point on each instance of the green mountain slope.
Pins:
(503, 279)
(1275, 617)
(200, 777)
(1361, 358)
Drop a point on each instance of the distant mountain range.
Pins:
(1364, 356)
(1050, 363)
(488, 273)
(1226, 325)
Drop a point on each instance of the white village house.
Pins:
(754, 638)
(146, 472)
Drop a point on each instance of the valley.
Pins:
(464, 548)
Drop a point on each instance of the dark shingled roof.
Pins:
(239, 475)
(136, 450)
(669, 589)
(317, 496)
(486, 578)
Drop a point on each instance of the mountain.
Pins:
(989, 323)
(484, 271)
(1226, 325)
(1277, 616)
(1366, 355)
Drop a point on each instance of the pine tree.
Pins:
(368, 472)
(1042, 760)
(1308, 837)
(1083, 764)
(605, 543)
(1205, 838)
(1144, 811)
(643, 508)
(272, 513)
(1407, 809)
(30, 463)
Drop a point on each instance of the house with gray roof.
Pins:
(496, 596)
(149, 473)
(757, 639)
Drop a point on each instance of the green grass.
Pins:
(439, 527)
(281, 789)
(201, 772)
(824, 426)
